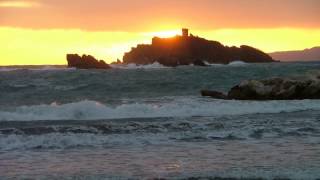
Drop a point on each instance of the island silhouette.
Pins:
(182, 49)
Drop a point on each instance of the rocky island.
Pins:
(85, 62)
(188, 49)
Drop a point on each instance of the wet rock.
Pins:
(273, 89)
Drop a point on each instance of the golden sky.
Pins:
(43, 31)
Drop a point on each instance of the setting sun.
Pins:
(50, 46)
(164, 34)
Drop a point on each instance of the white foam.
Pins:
(70, 140)
(180, 107)
(155, 65)
(233, 63)
(12, 142)
(237, 63)
(212, 64)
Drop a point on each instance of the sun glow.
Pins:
(21, 46)
(18, 4)
(164, 34)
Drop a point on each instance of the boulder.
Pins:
(298, 88)
(85, 62)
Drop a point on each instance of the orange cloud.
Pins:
(146, 15)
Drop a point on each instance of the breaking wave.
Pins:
(155, 65)
(61, 141)
(237, 63)
(233, 63)
(74, 140)
(180, 107)
(135, 133)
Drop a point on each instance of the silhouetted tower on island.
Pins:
(185, 32)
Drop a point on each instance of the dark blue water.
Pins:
(151, 122)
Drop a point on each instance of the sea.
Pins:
(151, 122)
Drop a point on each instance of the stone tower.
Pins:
(185, 32)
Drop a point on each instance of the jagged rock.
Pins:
(85, 62)
(273, 89)
(186, 50)
(117, 62)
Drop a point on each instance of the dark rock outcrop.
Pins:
(85, 62)
(273, 89)
(186, 50)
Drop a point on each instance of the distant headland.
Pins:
(312, 54)
(182, 49)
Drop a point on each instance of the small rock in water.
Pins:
(85, 62)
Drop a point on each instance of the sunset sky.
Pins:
(43, 31)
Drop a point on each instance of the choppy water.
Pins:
(151, 122)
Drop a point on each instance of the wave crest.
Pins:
(237, 63)
(180, 107)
